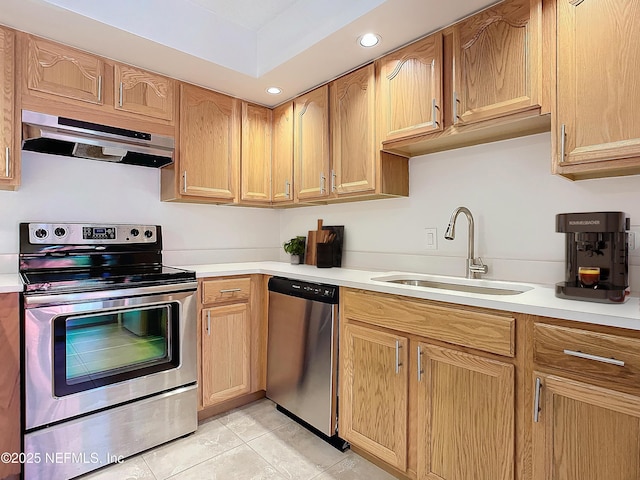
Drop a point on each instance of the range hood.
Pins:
(74, 138)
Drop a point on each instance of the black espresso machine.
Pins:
(597, 256)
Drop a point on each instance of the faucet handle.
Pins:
(478, 267)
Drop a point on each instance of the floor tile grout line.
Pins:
(199, 463)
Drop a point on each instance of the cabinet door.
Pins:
(59, 70)
(209, 143)
(497, 55)
(465, 416)
(225, 353)
(353, 132)
(282, 156)
(9, 381)
(410, 89)
(585, 432)
(256, 153)
(598, 48)
(311, 144)
(373, 393)
(142, 92)
(7, 112)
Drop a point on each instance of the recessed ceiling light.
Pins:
(274, 90)
(369, 40)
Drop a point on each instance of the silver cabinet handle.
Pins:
(230, 290)
(398, 364)
(120, 99)
(99, 88)
(323, 181)
(455, 108)
(434, 113)
(184, 182)
(7, 159)
(536, 402)
(333, 180)
(420, 370)
(208, 322)
(563, 136)
(287, 189)
(596, 358)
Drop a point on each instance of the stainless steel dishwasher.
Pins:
(302, 354)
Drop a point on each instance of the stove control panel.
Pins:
(90, 233)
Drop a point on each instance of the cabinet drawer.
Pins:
(609, 357)
(490, 332)
(226, 290)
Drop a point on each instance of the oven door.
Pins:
(84, 353)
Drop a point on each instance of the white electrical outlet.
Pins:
(431, 235)
(634, 239)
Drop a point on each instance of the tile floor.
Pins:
(254, 442)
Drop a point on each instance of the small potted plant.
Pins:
(295, 248)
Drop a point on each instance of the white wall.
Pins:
(513, 197)
(507, 185)
(76, 190)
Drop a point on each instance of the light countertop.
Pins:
(539, 300)
(10, 282)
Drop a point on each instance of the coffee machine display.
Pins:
(597, 256)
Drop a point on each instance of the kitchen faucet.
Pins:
(473, 269)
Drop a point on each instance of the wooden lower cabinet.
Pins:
(585, 432)
(231, 340)
(373, 392)
(465, 416)
(225, 353)
(9, 382)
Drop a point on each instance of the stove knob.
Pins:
(60, 232)
(148, 233)
(135, 232)
(41, 233)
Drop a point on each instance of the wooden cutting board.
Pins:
(312, 239)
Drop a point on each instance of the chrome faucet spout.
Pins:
(473, 269)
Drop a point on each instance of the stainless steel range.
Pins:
(109, 346)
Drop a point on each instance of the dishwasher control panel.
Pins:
(312, 291)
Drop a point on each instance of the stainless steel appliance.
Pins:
(596, 256)
(109, 346)
(302, 354)
(75, 138)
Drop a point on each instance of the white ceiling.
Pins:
(239, 47)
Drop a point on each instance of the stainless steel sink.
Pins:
(485, 287)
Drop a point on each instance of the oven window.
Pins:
(92, 350)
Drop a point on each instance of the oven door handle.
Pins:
(32, 300)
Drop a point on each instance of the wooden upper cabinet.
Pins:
(256, 154)
(374, 385)
(409, 85)
(465, 415)
(64, 71)
(8, 150)
(311, 144)
(597, 128)
(282, 155)
(354, 149)
(209, 144)
(142, 92)
(497, 56)
(585, 432)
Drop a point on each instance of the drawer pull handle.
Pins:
(596, 358)
(231, 290)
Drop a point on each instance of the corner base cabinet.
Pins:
(10, 383)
